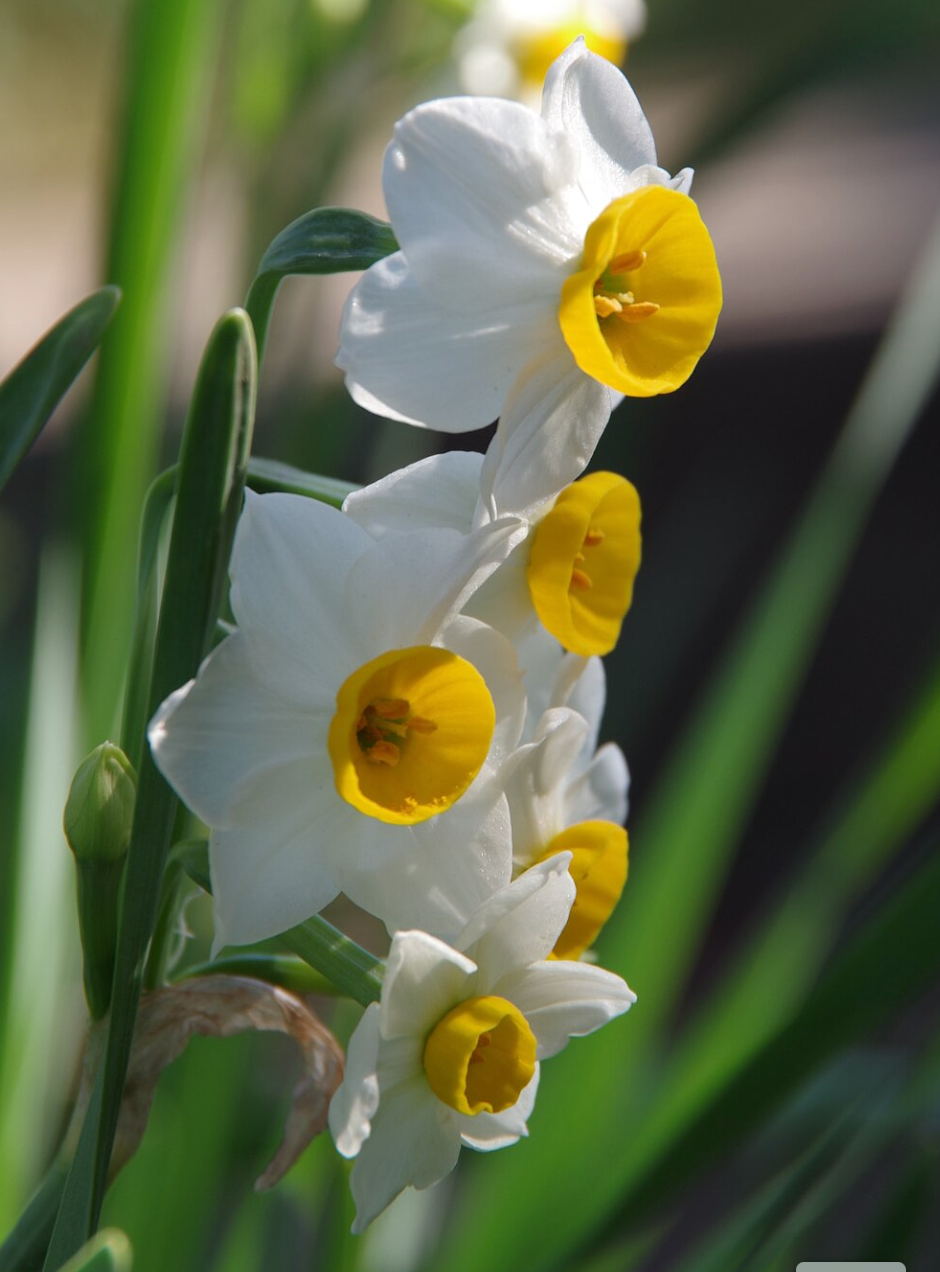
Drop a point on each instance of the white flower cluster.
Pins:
(408, 709)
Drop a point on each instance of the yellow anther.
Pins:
(625, 262)
(418, 724)
(580, 580)
(391, 708)
(592, 539)
(383, 752)
(606, 305)
(636, 313)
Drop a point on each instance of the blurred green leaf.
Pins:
(209, 495)
(324, 241)
(33, 389)
(883, 970)
(169, 55)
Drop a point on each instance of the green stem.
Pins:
(259, 304)
(277, 969)
(353, 970)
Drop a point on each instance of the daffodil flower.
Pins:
(548, 241)
(508, 45)
(451, 1053)
(574, 572)
(347, 736)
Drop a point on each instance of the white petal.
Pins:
(436, 493)
(424, 979)
(536, 778)
(588, 100)
(407, 357)
(488, 1131)
(355, 1101)
(583, 687)
(448, 866)
(600, 792)
(413, 1141)
(270, 868)
(469, 185)
(219, 736)
(289, 565)
(495, 660)
(546, 437)
(503, 601)
(521, 923)
(405, 589)
(562, 1000)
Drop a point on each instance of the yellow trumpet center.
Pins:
(535, 52)
(584, 557)
(642, 308)
(481, 1056)
(411, 731)
(599, 851)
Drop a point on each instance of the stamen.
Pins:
(580, 580)
(383, 752)
(391, 708)
(636, 313)
(624, 263)
(418, 724)
(483, 1041)
(593, 537)
(605, 305)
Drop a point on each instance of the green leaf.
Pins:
(171, 52)
(324, 241)
(208, 501)
(33, 389)
(267, 475)
(883, 970)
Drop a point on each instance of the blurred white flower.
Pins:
(347, 736)
(531, 245)
(451, 1054)
(508, 45)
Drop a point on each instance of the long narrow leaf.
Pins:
(211, 480)
(33, 389)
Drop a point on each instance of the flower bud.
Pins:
(99, 813)
(100, 808)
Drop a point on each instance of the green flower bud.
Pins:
(99, 811)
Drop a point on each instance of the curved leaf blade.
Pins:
(34, 388)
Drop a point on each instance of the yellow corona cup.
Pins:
(584, 557)
(411, 731)
(481, 1056)
(642, 308)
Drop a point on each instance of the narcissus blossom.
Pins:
(508, 45)
(347, 736)
(530, 241)
(451, 1053)
(575, 569)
